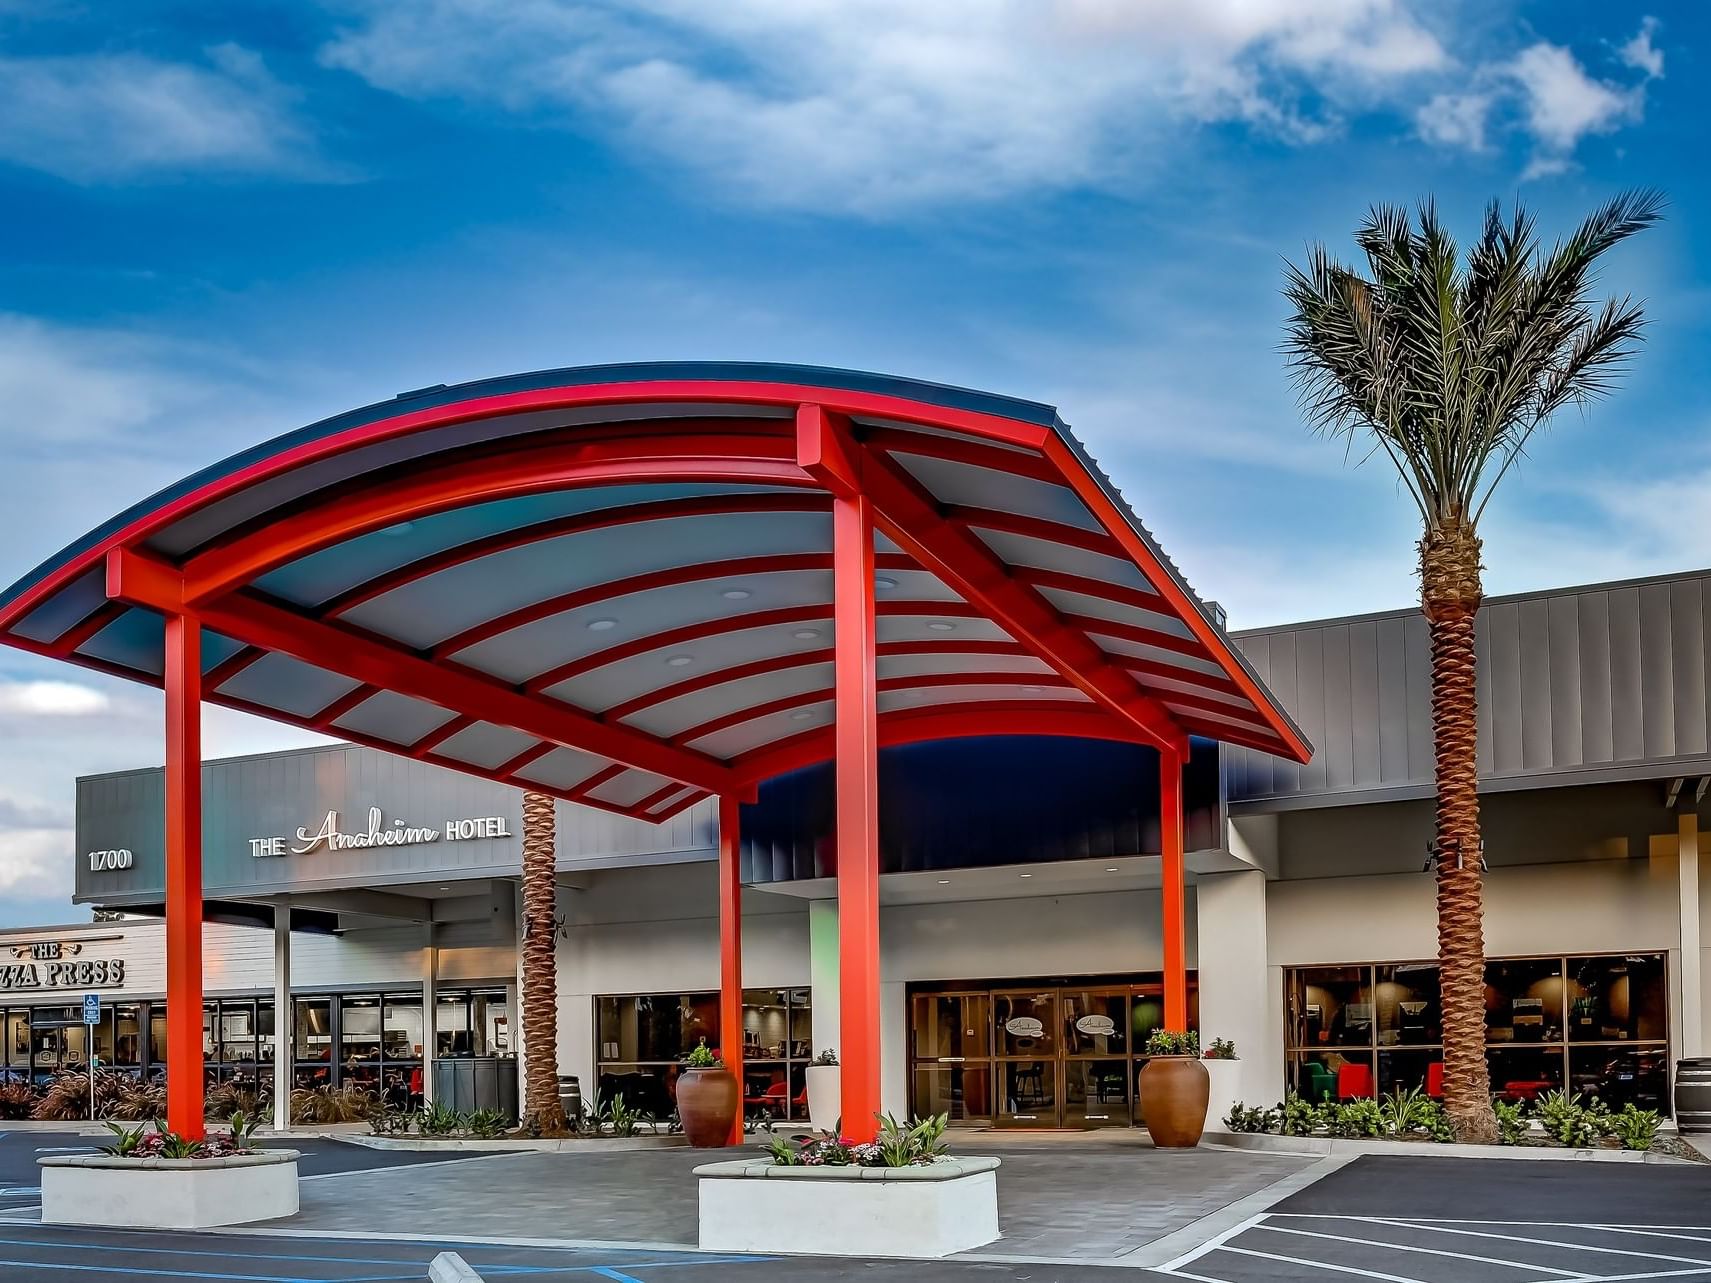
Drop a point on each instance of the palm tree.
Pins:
(540, 972)
(1449, 368)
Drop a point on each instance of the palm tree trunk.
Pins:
(540, 972)
(1450, 595)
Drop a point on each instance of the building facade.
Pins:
(1020, 921)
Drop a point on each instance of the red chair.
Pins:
(1354, 1081)
(1435, 1080)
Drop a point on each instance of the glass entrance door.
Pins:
(1025, 1033)
(950, 1046)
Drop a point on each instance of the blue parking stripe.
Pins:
(607, 1272)
(176, 1274)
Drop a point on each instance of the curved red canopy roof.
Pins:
(613, 584)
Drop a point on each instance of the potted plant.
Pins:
(707, 1098)
(824, 1087)
(1224, 1071)
(1175, 1089)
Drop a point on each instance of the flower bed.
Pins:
(1558, 1119)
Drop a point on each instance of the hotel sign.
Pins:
(329, 836)
(55, 964)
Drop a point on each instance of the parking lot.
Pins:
(1470, 1221)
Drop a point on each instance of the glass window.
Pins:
(103, 1032)
(802, 1024)
(962, 1091)
(1316, 1076)
(402, 1030)
(1096, 1093)
(1618, 999)
(951, 1026)
(652, 1089)
(1524, 1001)
(766, 1025)
(1028, 1091)
(1420, 1069)
(15, 1043)
(452, 1036)
(1405, 1001)
(313, 1034)
(1026, 1023)
(237, 1026)
(1331, 1007)
(1621, 1076)
(1095, 1023)
(359, 1039)
(1525, 1073)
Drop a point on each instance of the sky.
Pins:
(218, 223)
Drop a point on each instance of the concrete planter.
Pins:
(825, 1084)
(1226, 1090)
(505, 1145)
(949, 1206)
(1323, 1145)
(168, 1193)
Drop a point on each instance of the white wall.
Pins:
(1241, 996)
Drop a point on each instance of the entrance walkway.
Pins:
(1094, 1197)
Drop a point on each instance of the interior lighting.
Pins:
(881, 582)
(601, 625)
(680, 661)
(736, 594)
(942, 626)
(801, 715)
(805, 634)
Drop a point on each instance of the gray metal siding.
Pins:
(1604, 682)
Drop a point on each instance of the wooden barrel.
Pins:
(1693, 1095)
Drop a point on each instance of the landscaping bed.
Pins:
(1557, 1121)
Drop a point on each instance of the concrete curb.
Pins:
(470, 1144)
(1265, 1142)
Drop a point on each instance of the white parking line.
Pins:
(1541, 1242)
(1434, 1251)
(1218, 1240)
(1321, 1265)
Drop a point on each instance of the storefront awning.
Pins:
(614, 584)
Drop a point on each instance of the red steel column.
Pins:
(184, 876)
(1174, 892)
(857, 836)
(731, 951)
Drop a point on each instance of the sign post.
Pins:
(91, 1018)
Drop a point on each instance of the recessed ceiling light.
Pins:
(445, 888)
(601, 625)
(1025, 875)
(736, 594)
(1112, 869)
(942, 626)
(680, 661)
(805, 634)
(944, 882)
(801, 715)
(884, 582)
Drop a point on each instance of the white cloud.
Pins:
(94, 118)
(50, 699)
(1455, 120)
(1563, 103)
(876, 104)
(1640, 53)
(36, 862)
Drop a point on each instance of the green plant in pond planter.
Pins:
(1298, 1117)
(172, 1145)
(1167, 1042)
(1511, 1120)
(921, 1140)
(127, 1140)
(1568, 1121)
(785, 1152)
(1636, 1128)
(1220, 1049)
(244, 1128)
(702, 1057)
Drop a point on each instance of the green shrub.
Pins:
(439, 1119)
(1511, 1120)
(1167, 1042)
(1355, 1118)
(1405, 1110)
(921, 1140)
(1242, 1119)
(701, 1057)
(1435, 1122)
(1298, 1117)
(1567, 1120)
(1635, 1128)
(1221, 1049)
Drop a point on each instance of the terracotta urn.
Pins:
(1175, 1091)
(707, 1102)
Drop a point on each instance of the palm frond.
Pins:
(1450, 365)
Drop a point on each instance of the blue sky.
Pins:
(220, 222)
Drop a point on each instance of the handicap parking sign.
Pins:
(91, 1008)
